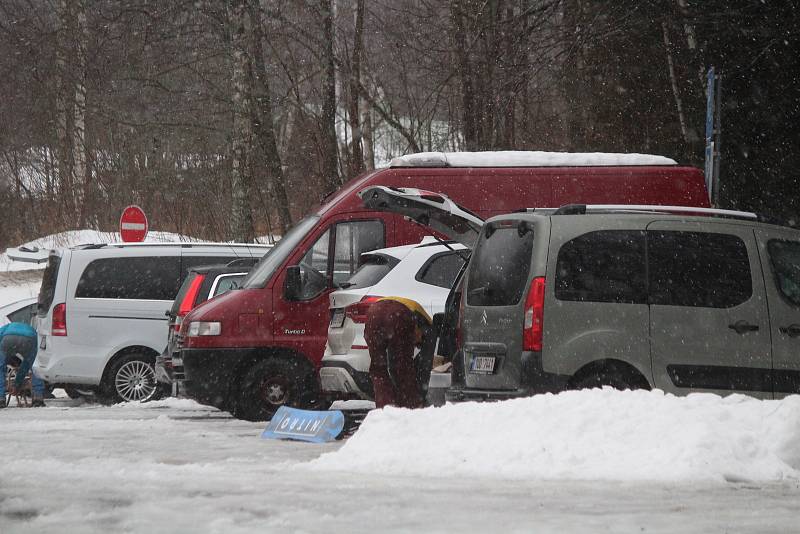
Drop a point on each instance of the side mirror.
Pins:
(294, 283)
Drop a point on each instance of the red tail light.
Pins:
(532, 329)
(59, 325)
(358, 312)
(189, 299)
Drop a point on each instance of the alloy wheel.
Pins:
(135, 381)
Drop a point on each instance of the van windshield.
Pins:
(270, 263)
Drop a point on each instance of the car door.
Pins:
(709, 324)
(780, 256)
(331, 258)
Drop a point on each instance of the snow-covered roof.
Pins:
(519, 158)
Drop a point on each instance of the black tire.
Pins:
(131, 378)
(72, 393)
(611, 374)
(272, 383)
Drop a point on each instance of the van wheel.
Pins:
(270, 384)
(132, 378)
(617, 376)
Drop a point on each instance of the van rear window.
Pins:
(47, 291)
(499, 268)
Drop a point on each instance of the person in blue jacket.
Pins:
(20, 338)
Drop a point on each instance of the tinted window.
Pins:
(605, 266)
(23, 315)
(785, 258)
(372, 270)
(499, 269)
(47, 291)
(149, 278)
(441, 270)
(698, 269)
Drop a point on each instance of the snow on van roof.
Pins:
(519, 158)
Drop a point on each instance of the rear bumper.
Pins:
(533, 380)
(210, 374)
(340, 378)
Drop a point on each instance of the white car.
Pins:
(21, 311)
(423, 272)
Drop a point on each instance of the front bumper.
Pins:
(210, 374)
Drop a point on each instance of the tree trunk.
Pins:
(241, 220)
(356, 153)
(264, 123)
(82, 171)
(464, 70)
(330, 155)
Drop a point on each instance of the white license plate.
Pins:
(337, 319)
(43, 343)
(482, 364)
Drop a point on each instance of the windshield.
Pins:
(263, 271)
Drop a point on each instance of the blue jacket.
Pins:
(17, 329)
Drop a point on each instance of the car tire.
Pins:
(613, 375)
(270, 384)
(132, 378)
(72, 393)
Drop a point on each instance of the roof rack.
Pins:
(582, 209)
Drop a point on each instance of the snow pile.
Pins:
(583, 435)
(80, 237)
(520, 158)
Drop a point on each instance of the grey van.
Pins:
(680, 299)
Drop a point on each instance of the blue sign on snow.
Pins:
(304, 425)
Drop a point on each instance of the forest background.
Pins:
(230, 119)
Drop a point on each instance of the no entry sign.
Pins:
(133, 224)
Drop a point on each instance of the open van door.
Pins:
(427, 208)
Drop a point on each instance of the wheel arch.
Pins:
(629, 371)
(145, 351)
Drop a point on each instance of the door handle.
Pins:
(742, 327)
(793, 330)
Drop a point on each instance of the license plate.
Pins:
(176, 362)
(337, 319)
(43, 343)
(482, 365)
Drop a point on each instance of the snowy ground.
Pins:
(174, 466)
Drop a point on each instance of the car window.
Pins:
(499, 269)
(47, 290)
(372, 270)
(785, 259)
(227, 282)
(441, 270)
(698, 269)
(23, 315)
(352, 240)
(314, 267)
(603, 266)
(145, 278)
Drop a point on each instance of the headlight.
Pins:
(203, 328)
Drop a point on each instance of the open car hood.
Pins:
(427, 208)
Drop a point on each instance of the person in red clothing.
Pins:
(395, 326)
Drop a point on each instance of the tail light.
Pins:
(532, 328)
(189, 299)
(58, 327)
(358, 312)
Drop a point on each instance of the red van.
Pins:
(256, 348)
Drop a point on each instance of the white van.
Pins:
(102, 312)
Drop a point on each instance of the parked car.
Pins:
(201, 284)
(422, 272)
(630, 297)
(102, 312)
(253, 350)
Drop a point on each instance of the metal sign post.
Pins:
(713, 131)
